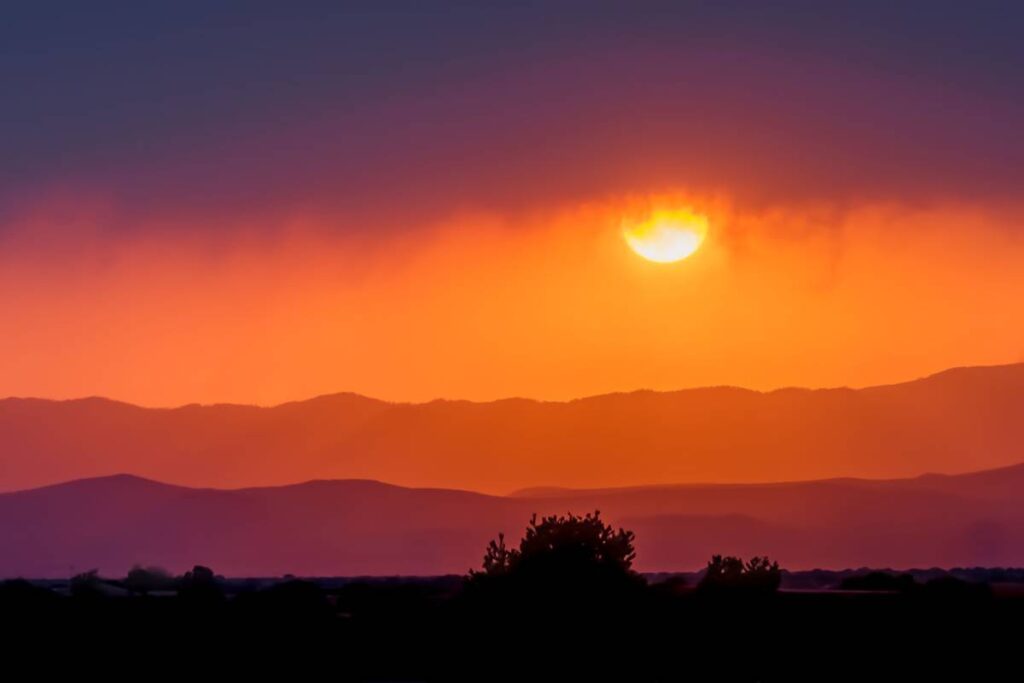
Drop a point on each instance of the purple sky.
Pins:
(215, 109)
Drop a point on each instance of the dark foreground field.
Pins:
(662, 628)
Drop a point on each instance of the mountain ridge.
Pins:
(359, 527)
(952, 371)
(129, 478)
(959, 420)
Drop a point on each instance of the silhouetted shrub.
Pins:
(563, 545)
(200, 586)
(146, 579)
(567, 569)
(86, 585)
(757, 575)
(570, 577)
(498, 559)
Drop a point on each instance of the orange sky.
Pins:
(197, 206)
(546, 303)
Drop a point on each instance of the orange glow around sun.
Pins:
(482, 305)
(665, 235)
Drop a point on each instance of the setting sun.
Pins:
(317, 329)
(666, 236)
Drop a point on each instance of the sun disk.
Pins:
(666, 236)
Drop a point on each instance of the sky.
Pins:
(260, 202)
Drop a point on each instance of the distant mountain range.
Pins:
(363, 527)
(956, 421)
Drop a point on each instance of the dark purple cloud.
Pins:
(386, 111)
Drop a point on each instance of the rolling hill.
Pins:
(357, 527)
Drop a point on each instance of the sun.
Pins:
(666, 236)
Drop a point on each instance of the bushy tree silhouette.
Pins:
(566, 566)
(570, 577)
(757, 575)
(86, 585)
(569, 546)
(200, 586)
(145, 579)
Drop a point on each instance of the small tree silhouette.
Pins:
(87, 585)
(145, 579)
(499, 558)
(200, 586)
(757, 575)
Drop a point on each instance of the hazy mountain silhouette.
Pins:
(955, 421)
(364, 527)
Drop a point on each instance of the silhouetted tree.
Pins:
(200, 585)
(86, 585)
(565, 564)
(499, 558)
(570, 545)
(570, 577)
(757, 575)
(145, 579)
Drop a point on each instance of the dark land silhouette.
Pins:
(956, 421)
(452, 586)
(563, 603)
